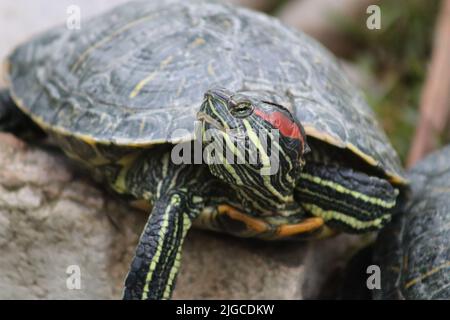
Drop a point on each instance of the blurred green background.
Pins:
(389, 64)
(397, 56)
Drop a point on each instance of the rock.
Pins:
(53, 217)
(223, 267)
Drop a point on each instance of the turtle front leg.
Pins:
(346, 199)
(155, 266)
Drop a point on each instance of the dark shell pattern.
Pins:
(413, 252)
(136, 76)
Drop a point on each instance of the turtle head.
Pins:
(254, 145)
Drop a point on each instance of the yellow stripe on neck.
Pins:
(341, 189)
(354, 223)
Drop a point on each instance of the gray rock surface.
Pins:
(223, 267)
(52, 217)
(49, 220)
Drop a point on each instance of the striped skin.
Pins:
(253, 135)
(155, 266)
(347, 200)
(347, 193)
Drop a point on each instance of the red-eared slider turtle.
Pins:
(117, 94)
(413, 252)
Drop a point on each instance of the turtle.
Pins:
(413, 252)
(212, 115)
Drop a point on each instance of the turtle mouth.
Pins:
(201, 116)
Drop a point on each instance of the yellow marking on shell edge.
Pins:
(105, 40)
(313, 132)
(64, 132)
(92, 140)
(252, 223)
(307, 225)
(427, 274)
(149, 78)
(339, 188)
(96, 161)
(88, 140)
(334, 215)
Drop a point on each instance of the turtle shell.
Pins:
(413, 252)
(136, 76)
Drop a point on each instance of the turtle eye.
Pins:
(240, 109)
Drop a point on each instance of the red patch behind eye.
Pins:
(287, 127)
